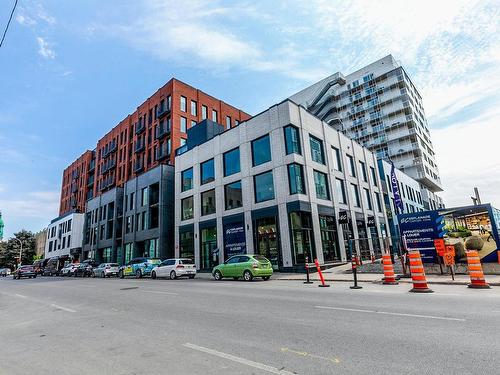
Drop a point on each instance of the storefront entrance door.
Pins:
(267, 240)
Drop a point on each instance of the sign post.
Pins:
(440, 250)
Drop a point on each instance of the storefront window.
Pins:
(321, 184)
(209, 255)
(268, 240)
(329, 239)
(302, 237)
(129, 252)
(106, 254)
(207, 171)
(264, 187)
(292, 140)
(187, 179)
(233, 195)
(152, 249)
(296, 179)
(261, 150)
(208, 202)
(187, 208)
(231, 162)
(187, 245)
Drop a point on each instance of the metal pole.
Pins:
(354, 266)
(308, 281)
(20, 250)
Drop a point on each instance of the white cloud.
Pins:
(44, 49)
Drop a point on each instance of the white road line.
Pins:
(159, 292)
(243, 361)
(62, 308)
(20, 295)
(391, 313)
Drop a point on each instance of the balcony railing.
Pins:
(138, 166)
(139, 127)
(161, 131)
(162, 152)
(139, 146)
(162, 112)
(112, 148)
(109, 165)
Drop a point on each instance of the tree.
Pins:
(9, 250)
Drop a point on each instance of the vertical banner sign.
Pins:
(440, 247)
(234, 240)
(398, 202)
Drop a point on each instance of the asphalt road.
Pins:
(111, 326)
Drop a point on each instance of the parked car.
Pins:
(106, 270)
(55, 265)
(69, 269)
(175, 268)
(24, 271)
(138, 267)
(85, 268)
(4, 272)
(246, 266)
(39, 265)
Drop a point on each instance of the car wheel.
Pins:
(192, 276)
(74, 274)
(93, 274)
(173, 275)
(217, 275)
(247, 275)
(138, 274)
(121, 275)
(265, 278)
(103, 275)
(153, 275)
(235, 278)
(34, 276)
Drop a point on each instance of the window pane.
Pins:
(232, 162)
(193, 108)
(207, 171)
(355, 195)
(204, 111)
(208, 202)
(187, 179)
(296, 179)
(187, 208)
(292, 140)
(214, 115)
(341, 191)
(337, 161)
(183, 124)
(352, 167)
(374, 176)
(264, 187)
(317, 150)
(261, 150)
(368, 199)
(362, 169)
(233, 195)
(321, 184)
(183, 104)
(228, 122)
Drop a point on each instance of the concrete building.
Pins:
(64, 236)
(379, 107)
(40, 242)
(133, 220)
(283, 184)
(141, 141)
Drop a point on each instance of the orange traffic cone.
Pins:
(389, 277)
(475, 270)
(417, 273)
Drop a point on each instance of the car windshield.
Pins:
(186, 261)
(260, 258)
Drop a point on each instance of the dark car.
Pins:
(39, 265)
(86, 268)
(24, 271)
(55, 265)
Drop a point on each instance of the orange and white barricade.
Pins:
(417, 273)
(389, 277)
(475, 271)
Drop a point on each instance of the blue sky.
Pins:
(70, 70)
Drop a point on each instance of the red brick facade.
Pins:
(149, 136)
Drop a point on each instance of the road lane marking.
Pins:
(306, 354)
(160, 292)
(391, 313)
(20, 295)
(62, 308)
(243, 361)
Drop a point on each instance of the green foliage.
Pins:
(9, 250)
(474, 243)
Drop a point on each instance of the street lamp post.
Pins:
(20, 250)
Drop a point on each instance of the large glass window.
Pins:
(341, 191)
(183, 103)
(296, 179)
(209, 256)
(194, 110)
(204, 112)
(377, 199)
(368, 199)
(352, 167)
(261, 150)
(292, 140)
(207, 171)
(317, 152)
(337, 160)
(187, 179)
(187, 208)
(144, 196)
(329, 239)
(302, 237)
(264, 186)
(321, 184)
(186, 245)
(183, 124)
(231, 162)
(355, 195)
(374, 176)
(267, 240)
(208, 202)
(233, 195)
(214, 115)
(362, 169)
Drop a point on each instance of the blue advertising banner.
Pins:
(234, 239)
(420, 230)
(398, 202)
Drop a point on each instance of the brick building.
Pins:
(143, 140)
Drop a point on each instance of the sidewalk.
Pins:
(338, 274)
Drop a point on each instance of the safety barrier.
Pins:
(476, 274)
(417, 273)
(389, 276)
(318, 267)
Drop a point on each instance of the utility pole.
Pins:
(20, 250)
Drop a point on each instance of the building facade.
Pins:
(40, 242)
(64, 236)
(142, 141)
(133, 220)
(283, 184)
(379, 107)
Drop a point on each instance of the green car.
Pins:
(246, 266)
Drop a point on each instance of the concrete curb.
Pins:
(380, 281)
